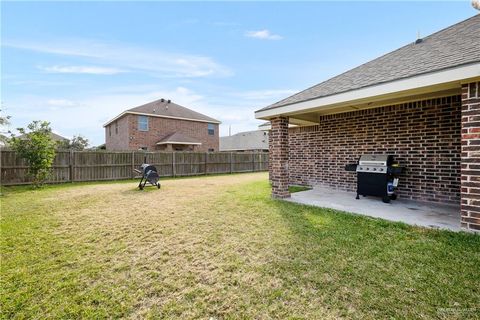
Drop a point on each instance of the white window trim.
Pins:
(208, 129)
(469, 96)
(138, 123)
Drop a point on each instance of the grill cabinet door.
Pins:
(372, 184)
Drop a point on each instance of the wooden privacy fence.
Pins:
(70, 166)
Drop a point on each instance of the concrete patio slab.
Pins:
(439, 216)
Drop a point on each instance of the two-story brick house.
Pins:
(162, 125)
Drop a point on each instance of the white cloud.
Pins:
(81, 70)
(60, 103)
(86, 116)
(263, 34)
(121, 56)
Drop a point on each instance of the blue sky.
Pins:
(79, 64)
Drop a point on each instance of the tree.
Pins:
(4, 120)
(4, 123)
(37, 147)
(77, 143)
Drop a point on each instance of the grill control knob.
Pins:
(381, 169)
(368, 168)
(374, 169)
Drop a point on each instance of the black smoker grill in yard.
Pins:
(149, 174)
(377, 175)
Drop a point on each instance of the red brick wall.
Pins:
(278, 157)
(158, 128)
(117, 141)
(424, 136)
(470, 160)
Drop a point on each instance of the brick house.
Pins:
(420, 103)
(163, 126)
(256, 140)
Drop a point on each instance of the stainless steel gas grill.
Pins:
(377, 175)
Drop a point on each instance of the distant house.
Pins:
(54, 136)
(162, 125)
(245, 141)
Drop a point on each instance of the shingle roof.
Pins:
(53, 135)
(178, 138)
(161, 107)
(451, 47)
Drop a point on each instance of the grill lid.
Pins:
(375, 160)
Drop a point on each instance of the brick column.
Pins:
(470, 173)
(270, 155)
(279, 157)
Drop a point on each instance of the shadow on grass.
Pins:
(374, 267)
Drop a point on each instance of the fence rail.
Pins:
(70, 166)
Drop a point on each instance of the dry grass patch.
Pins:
(220, 247)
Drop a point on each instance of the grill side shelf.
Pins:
(351, 167)
(396, 170)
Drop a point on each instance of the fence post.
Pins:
(206, 162)
(133, 164)
(174, 170)
(231, 162)
(72, 170)
(253, 161)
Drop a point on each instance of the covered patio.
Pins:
(430, 215)
(419, 104)
(178, 142)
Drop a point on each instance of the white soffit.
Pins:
(440, 80)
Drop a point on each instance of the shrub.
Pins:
(38, 148)
(77, 143)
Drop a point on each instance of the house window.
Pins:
(211, 150)
(211, 129)
(143, 149)
(116, 127)
(142, 123)
(473, 89)
(110, 130)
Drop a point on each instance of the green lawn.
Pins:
(219, 247)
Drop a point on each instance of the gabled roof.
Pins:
(166, 109)
(54, 136)
(178, 138)
(454, 46)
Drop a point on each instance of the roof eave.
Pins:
(452, 76)
(179, 142)
(159, 116)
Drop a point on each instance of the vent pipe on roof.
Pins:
(476, 4)
(162, 100)
(168, 101)
(419, 40)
